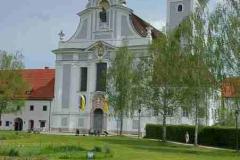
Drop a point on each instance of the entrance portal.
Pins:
(98, 119)
(18, 124)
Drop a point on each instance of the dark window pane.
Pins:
(84, 76)
(180, 8)
(42, 124)
(7, 123)
(101, 76)
(44, 108)
(0, 123)
(31, 108)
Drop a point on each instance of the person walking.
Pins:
(187, 137)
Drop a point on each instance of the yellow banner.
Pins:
(82, 102)
(106, 104)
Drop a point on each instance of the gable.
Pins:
(108, 47)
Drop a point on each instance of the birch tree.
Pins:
(212, 45)
(161, 70)
(120, 79)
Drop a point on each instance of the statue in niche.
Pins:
(103, 15)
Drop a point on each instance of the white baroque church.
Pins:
(105, 25)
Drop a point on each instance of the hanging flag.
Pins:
(106, 103)
(82, 102)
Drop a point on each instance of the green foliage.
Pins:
(218, 137)
(120, 80)
(225, 114)
(12, 84)
(161, 75)
(4, 151)
(97, 149)
(64, 149)
(208, 136)
(13, 153)
(174, 132)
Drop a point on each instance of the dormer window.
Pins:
(180, 8)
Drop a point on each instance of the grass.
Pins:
(122, 148)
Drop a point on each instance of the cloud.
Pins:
(159, 24)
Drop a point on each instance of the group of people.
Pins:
(95, 132)
(90, 132)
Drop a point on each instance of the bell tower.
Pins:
(95, 3)
(177, 10)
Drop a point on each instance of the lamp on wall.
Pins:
(99, 50)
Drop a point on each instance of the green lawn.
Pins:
(122, 148)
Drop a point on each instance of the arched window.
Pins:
(180, 8)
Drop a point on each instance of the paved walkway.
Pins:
(200, 146)
(184, 144)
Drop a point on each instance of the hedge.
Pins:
(209, 136)
(224, 137)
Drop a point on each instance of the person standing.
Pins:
(187, 137)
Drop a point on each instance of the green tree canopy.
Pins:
(12, 84)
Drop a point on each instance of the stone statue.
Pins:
(103, 15)
(98, 101)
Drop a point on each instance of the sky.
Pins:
(32, 26)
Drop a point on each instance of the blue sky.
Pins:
(32, 26)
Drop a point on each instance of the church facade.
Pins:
(81, 61)
(105, 24)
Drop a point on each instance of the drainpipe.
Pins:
(49, 120)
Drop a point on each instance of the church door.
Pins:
(98, 119)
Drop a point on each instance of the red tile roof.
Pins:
(231, 88)
(41, 82)
(140, 25)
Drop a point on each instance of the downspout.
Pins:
(50, 110)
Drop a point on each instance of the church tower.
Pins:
(177, 10)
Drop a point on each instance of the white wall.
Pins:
(26, 115)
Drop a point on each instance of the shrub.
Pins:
(4, 151)
(97, 149)
(174, 132)
(60, 149)
(208, 136)
(13, 153)
(218, 137)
